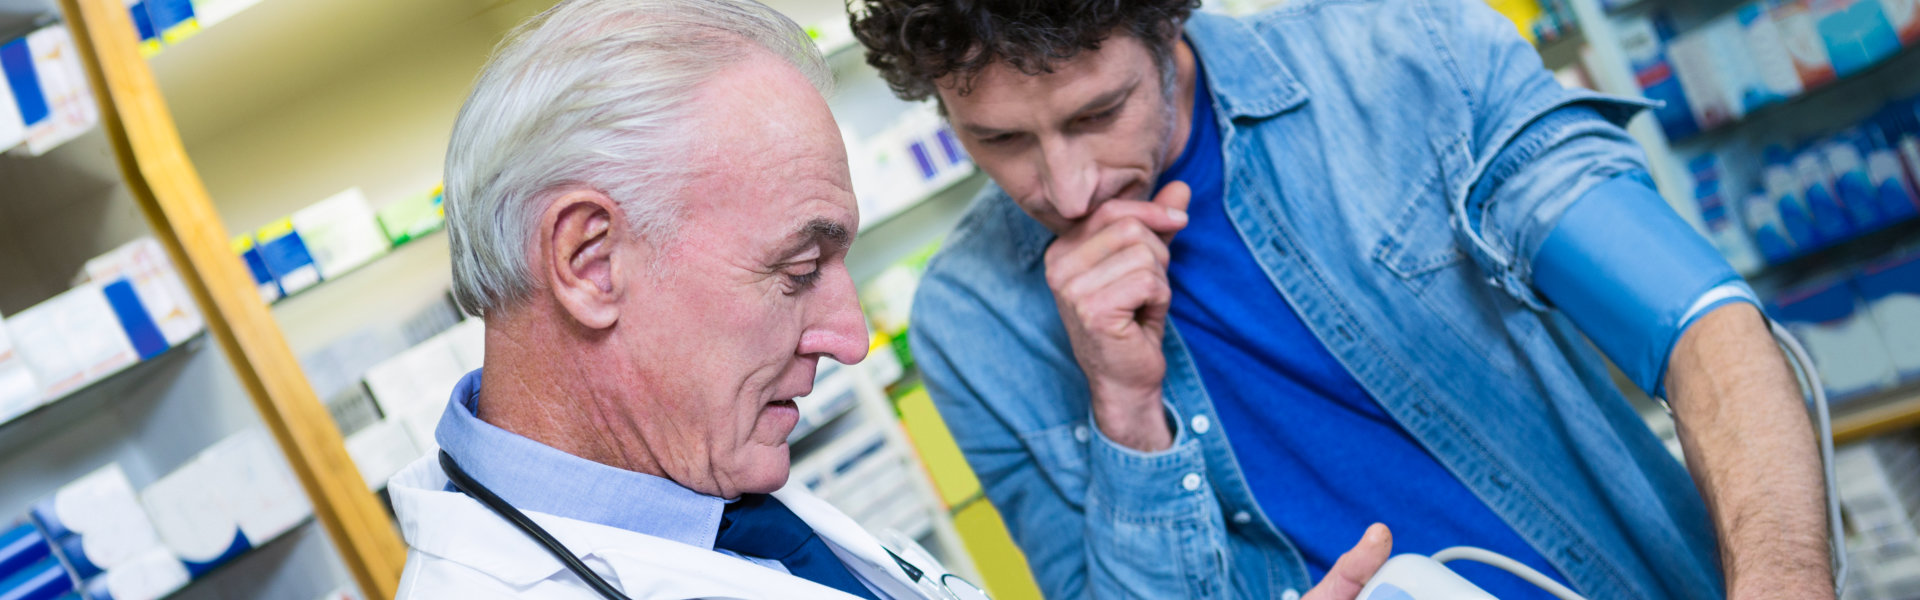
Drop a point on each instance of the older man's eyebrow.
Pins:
(828, 234)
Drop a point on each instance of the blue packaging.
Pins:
(21, 546)
(1824, 206)
(1856, 32)
(1847, 163)
(43, 580)
(1847, 348)
(1893, 192)
(1783, 189)
(1644, 41)
(1769, 234)
(1721, 217)
(1891, 289)
(287, 257)
(17, 60)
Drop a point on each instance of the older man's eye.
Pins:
(803, 280)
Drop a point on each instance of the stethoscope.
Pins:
(948, 586)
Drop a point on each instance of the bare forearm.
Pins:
(1750, 447)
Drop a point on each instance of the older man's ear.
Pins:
(581, 244)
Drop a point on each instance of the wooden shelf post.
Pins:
(163, 182)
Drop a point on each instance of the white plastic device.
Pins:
(1416, 577)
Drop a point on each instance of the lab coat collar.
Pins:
(454, 527)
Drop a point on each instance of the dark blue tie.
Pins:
(759, 525)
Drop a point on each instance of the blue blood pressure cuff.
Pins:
(1633, 276)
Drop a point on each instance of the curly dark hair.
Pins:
(915, 43)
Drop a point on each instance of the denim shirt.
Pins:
(1424, 155)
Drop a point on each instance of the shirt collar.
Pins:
(534, 477)
(1246, 75)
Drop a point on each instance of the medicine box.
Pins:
(21, 546)
(71, 340)
(150, 576)
(157, 283)
(1800, 33)
(341, 233)
(232, 497)
(19, 392)
(1847, 348)
(63, 83)
(43, 580)
(286, 256)
(96, 522)
(249, 253)
(1891, 289)
(12, 129)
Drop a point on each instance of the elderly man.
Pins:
(648, 201)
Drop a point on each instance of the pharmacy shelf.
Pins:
(281, 544)
(56, 414)
(952, 181)
(1885, 412)
(1868, 247)
(1877, 83)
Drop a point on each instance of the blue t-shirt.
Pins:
(1322, 458)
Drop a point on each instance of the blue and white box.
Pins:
(234, 496)
(19, 392)
(1846, 345)
(21, 546)
(150, 576)
(286, 257)
(1891, 290)
(96, 522)
(71, 340)
(42, 580)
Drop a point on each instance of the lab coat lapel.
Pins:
(450, 526)
(862, 553)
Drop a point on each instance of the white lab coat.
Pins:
(457, 549)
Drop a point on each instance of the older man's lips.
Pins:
(783, 415)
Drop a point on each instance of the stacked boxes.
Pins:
(1762, 53)
(99, 530)
(232, 497)
(1879, 486)
(330, 238)
(98, 538)
(130, 306)
(1826, 191)
(1863, 330)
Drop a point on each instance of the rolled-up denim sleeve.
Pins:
(1534, 145)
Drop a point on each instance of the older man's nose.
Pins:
(841, 331)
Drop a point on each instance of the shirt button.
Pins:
(1191, 481)
(1290, 595)
(1201, 424)
(1080, 433)
(1242, 518)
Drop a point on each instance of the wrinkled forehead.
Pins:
(764, 150)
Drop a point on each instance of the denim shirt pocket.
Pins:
(1061, 452)
(1422, 248)
(1418, 240)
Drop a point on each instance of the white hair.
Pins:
(591, 93)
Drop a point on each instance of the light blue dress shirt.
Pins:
(535, 477)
